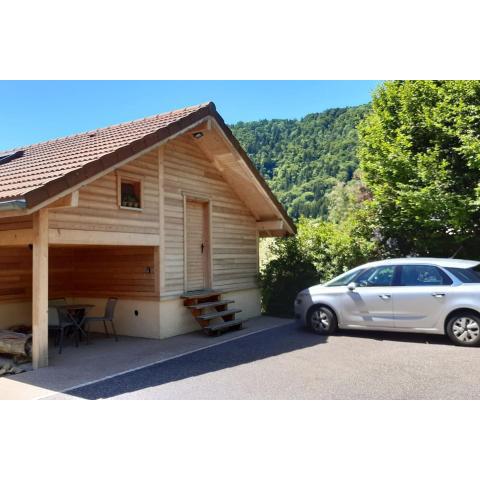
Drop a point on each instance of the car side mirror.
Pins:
(352, 286)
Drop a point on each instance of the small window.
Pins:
(377, 277)
(130, 193)
(423, 275)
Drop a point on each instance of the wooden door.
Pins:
(197, 249)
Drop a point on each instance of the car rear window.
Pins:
(466, 275)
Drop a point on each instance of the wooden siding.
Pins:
(15, 274)
(124, 272)
(234, 238)
(98, 208)
(21, 222)
(176, 171)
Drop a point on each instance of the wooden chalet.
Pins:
(163, 213)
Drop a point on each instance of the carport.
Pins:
(34, 270)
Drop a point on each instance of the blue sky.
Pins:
(34, 111)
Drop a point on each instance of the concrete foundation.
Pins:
(140, 318)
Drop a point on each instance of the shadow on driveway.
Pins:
(248, 349)
(396, 337)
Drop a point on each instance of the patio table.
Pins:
(76, 313)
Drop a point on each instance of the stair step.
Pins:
(199, 306)
(223, 313)
(200, 294)
(224, 325)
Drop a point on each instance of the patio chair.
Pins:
(59, 323)
(107, 318)
(53, 313)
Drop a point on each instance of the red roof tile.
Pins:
(45, 162)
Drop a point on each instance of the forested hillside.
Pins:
(418, 193)
(303, 159)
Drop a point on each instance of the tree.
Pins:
(320, 251)
(344, 199)
(287, 272)
(419, 151)
(302, 160)
(334, 248)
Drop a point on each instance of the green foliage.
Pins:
(420, 156)
(343, 200)
(333, 248)
(304, 159)
(320, 251)
(288, 272)
(416, 191)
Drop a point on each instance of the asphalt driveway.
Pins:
(288, 363)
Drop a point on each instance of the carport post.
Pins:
(40, 289)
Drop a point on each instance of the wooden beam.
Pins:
(156, 269)
(60, 236)
(209, 212)
(257, 246)
(14, 213)
(270, 225)
(185, 283)
(22, 236)
(241, 165)
(40, 289)
(68, 201)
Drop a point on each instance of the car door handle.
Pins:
(385, 296)
(438, 295)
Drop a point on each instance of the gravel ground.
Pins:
(289, 363)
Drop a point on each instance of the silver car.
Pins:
(429, 295)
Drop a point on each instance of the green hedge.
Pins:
(320, 251)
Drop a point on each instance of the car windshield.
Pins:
(467, 275)
(344, 278)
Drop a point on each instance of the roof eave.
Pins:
(61, 185)
(231, 137)
(49, 192)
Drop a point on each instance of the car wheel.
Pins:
(322, 320)
(464, 329)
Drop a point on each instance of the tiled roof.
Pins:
(49, 169)
(46, 162)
